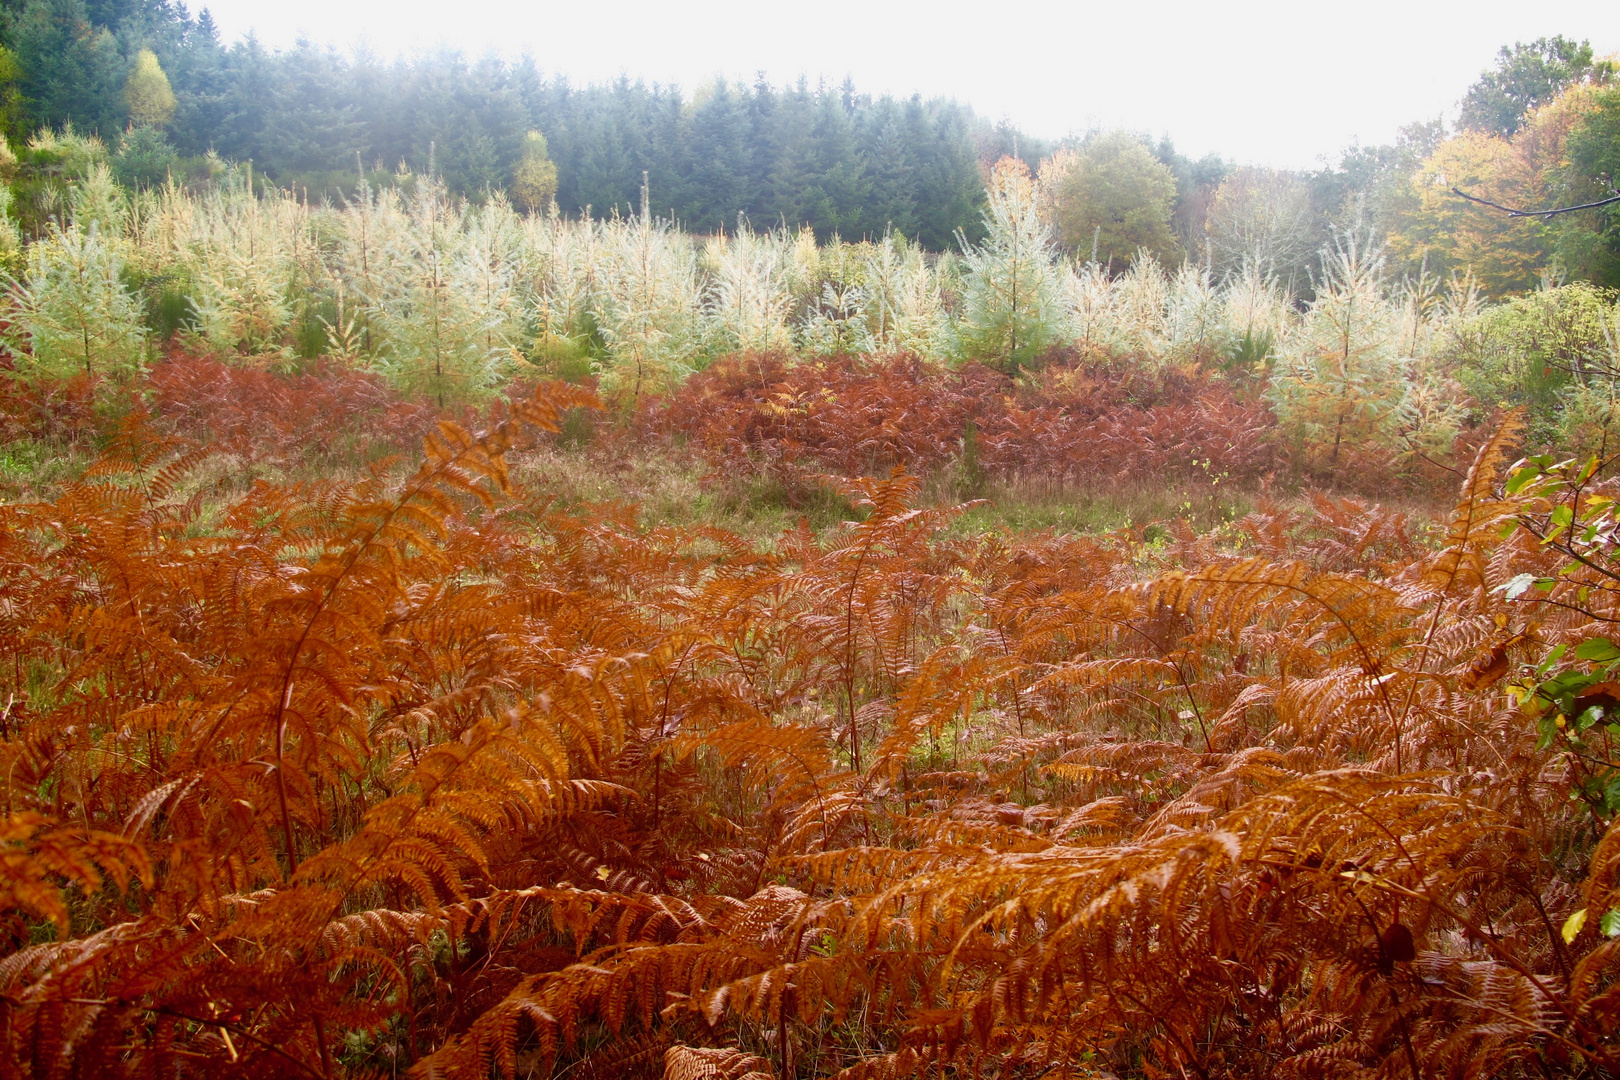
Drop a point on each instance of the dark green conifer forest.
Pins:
(827, 156)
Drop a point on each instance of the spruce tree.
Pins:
(73, 313)
(436, 317)
(1009, 304)
(720, 159)
(1340, 382)
(648, 299)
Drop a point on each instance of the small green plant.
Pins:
(1577, 712)
(1549, 350)
(1573, 695)
(168, 307)
(970, 475)
(1250, 353)
(144, 159)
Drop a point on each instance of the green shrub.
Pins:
(144, 159)
(1533, 350)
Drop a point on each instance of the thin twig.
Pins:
(1512, 212)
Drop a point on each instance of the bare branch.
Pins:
(1511, 212)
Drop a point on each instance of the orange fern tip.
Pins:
(39, 858)
(544, 407)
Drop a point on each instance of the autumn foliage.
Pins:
(316, 414)
(854, 417)
(310, 416)
(417, 773)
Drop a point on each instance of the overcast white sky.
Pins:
(1267, 82)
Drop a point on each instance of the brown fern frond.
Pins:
(725, 1063)
(39, 856)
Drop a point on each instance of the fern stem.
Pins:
(320, 1039)
(281, 778)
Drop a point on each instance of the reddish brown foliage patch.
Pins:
(322, 411)
(58, 412)
(355, 777)
(853, 417)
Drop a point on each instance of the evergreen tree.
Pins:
(890, 201)
(720, 159)
(72, 70)
(765, 150)
(788, 198)
(313, 123)
(649, 296)
(836, 187)
(240, 264)
(947, 186)
(1009, 303)
(1340, 383)
(246, 102)
(73, 312)
(437, 320)
(198, 74)
(12, 115)
(832, 158)
(746, 310)
(144, 158)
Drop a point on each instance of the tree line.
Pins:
(819, 155)
(158, 85)
(1538, 130)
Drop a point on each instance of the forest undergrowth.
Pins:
(320, 760)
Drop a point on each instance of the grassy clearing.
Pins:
(670, 486)
(1033, 503)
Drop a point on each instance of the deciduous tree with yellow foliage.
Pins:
(534, 177)
(1528, 169)
(1450, 233)
(147, 93)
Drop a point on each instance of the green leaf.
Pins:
(1566, 686)
(1552, 658)
(1609, 925)
(1546, 731)
(1599, 650)
(1521, 477)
